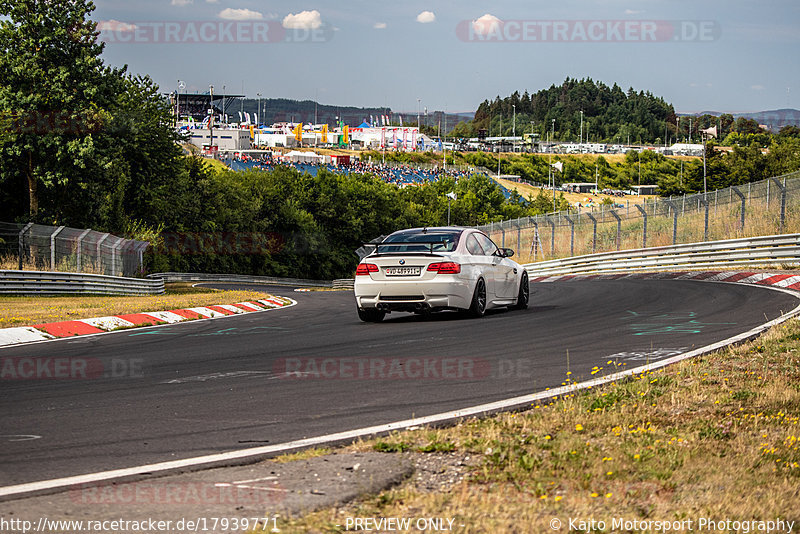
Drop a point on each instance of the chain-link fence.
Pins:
(59, 248)
(760, 208)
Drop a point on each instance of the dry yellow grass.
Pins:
(573, 198)
(716, 437)
(26, 311)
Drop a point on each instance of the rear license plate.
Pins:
(403, 271)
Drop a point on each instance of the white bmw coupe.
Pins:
(425, 270)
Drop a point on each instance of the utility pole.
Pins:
(581, 140)
(531, 136)
(211, 119)
(514, 123)
(550, 165)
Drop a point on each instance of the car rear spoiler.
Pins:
(374, 248)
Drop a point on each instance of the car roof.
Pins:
(433, 229)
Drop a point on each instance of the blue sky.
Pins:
(453, 54)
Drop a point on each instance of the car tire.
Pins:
(478, 306)
(524, 294)
(371, 315)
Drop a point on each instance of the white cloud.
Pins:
(240, 14)
(181, 2)
(380, 26)
(425, 17)
(757, 87)
(305, 20)
(212, 1)
(633, 11)
(487, 24)
(115, 26)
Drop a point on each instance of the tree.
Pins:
(56, 87)
(89, 145)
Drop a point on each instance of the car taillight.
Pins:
(366, 268)
(445, 267)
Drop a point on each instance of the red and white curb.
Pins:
(783, 281)
(99, 325)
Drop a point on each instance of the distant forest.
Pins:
(611, 115)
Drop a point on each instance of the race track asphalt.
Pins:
(202, 387)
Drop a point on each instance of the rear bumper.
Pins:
(446, 292)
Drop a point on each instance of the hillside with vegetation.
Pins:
(614, 115)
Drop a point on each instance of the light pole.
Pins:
(419, 100)
(514, 124)
(211, 120)
(531, 136)
(550, 166)
(224, 115)
(258, 114)
(181, 86)
(639, 153)
(581, 141)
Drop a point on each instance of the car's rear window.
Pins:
(420, 241)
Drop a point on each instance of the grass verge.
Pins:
(26, 311)
(716, 437)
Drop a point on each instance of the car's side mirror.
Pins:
(504, 252)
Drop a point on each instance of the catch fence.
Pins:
(767, 207)
(59, 248)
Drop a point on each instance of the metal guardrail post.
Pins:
(114, 256)
(140, 250)
(535, 245)
(704, 202)
(644, 227)
(571, 235)
(594, 232)
(503, 230)
(80, 238)
(741, 198)
(782, 187)
(552, 235)
(674, 220)
(53, 248)
(519, 235)
(100, 242)
(22, 243)
(619, 227)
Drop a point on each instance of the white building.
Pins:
(224, 138)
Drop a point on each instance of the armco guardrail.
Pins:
(343, 283)
(713, 254)
(239, 278)
(54, 283)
